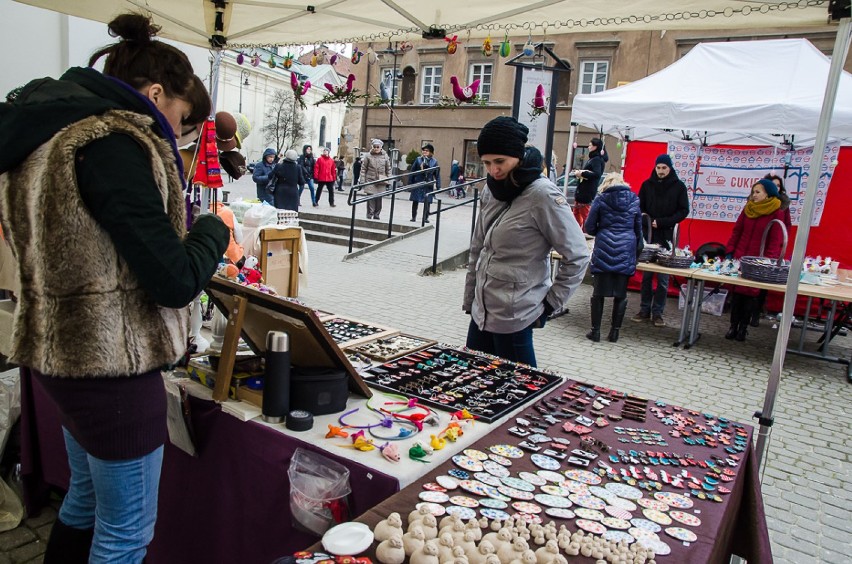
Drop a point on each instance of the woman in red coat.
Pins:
(762, 207)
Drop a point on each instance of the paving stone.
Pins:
(28, 552)
(15, 538)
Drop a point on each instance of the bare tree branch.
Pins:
(284, 124)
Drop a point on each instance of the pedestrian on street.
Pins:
(589, 179)
(325, 173)
(356, 171)
(376, 165)
(307, 162)
(106, 275)
(261, 174)
(616, 223)
(455, 172)
(341, 172)
(508, 288)
(663, 197)
(425, 161)
(285, 181)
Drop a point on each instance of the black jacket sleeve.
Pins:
(117, 186)
(681, 208)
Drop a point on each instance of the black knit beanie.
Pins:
(503, 136)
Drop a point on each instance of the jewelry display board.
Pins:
(385, 349)
(347, 332)
(453, 379)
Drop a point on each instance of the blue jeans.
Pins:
(654, 300)
(116, 497)
(310, 185)
(517, 347)
(263, 195)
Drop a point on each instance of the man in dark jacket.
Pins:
(307, 162)
(341, 172)
(261, 175)
(665, 199)
(589, 179)
(423, 162)
(356, 170)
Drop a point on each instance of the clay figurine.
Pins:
(475, 527)
(546, 553)
(482, 551)
(447, 523)
(413, 540)
(498, 539)
(418, 515)
(528, 557)
(445, 547)
(390, 551)
(512, 550)
(388, 528)
(430, 526)
(459, 556)
(427, 554)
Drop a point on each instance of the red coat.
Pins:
(325, 169)
(746, 237)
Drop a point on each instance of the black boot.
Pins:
(68, 545)
(619, 308)
(597, 313)
(749, 305)
(736, 315)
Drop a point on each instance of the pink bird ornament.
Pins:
(464, 93)
(341, 91)
(539, 102)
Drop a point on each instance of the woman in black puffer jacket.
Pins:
(616, 223)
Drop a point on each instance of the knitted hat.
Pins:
(378, 142)
(769, 186)
(664, 159)
(503, 136)
(291, 155)
(428, 147)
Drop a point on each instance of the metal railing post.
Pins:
(437, 237)
(392, 206)
(473, 219)
(352, 223)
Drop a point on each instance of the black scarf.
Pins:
(516, 182)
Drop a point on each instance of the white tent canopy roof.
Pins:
(282, 22)
(726, 92)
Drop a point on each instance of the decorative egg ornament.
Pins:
(487, 48)
(452, 44)
(271, 62)
(241, 59)
(255, 60)
(529, 48)
(505, 47)
(288, 60)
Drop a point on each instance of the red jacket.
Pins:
(325, 169)
(745, 239)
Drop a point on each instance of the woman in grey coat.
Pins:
(375, 165)
(508, 289)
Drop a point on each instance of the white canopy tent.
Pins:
(743, 91)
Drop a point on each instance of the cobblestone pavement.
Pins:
(807, 485)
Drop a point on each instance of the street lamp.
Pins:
(392, 50)
(244, 74)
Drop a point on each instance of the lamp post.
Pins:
(392, 50)
(244, 74)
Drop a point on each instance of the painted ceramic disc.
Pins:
(649, 503)
(494, 514)
(618, 536)
(590, 514)
(518, 484)
(640, 533)
(645, 524)
(467, 463)
(462, 512)
(575, 487)
(447, 482)
(475, 454)
(622, 503)
(545, 462)
(495, 469)
(433, 497)
(625, 491)
(559, 513)
(674, 499)
(515, 493)
(526, 507)
(501, 460)
(587, 501)
(681, 534)
(618, 512)
(551, 476)
(556, 490)
(685, 518)
(602, 493)
(487, 478)
(553, 500)
(509, 451)
(434, 508)
(473, 487)
(591, 526)
(529, 517)
(492, 503)
(534, 479)
(493, 493)
(460, 474)
(657, 546)
(583, 476)
(464, 501)
(615, 523)
(433, 487)
(657, 516)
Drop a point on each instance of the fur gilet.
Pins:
(81, 311)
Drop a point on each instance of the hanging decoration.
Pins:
(505, 46)
(314, 58)
(271, 62)
(372, 57)
(288, 60)
(207, 170)
(299, 89)
(529, 48)
(241, 58)
(539, 102)
(345, 93)
(487, 48)
(255, 59)
(333, 59)
(452, 44)
(406, 46)
(356, 56)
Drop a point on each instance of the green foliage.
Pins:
(411, 156)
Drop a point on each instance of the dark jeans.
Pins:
(654, 300)
(517, 347)
(330, 187)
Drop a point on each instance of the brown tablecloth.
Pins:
(736, 526)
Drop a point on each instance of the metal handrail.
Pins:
(474, 201)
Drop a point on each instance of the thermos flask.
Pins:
(276, 387)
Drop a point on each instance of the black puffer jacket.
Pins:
(592, 172)
(615, 221)
(667, 202)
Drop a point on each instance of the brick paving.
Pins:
(807, 484)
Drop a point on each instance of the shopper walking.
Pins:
(341, 172)
(508, 288)
(616, 223)
(261, 174)
(106, 274)
(425, 161)
(356, 171)
(663, 197)
(455, 172)
(376, 165)
(589, 179)
(285, 179)
(325, 173)
(762, 207)
(307, 162)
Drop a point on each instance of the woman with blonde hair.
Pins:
(616, 223)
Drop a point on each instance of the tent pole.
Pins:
(841, 48)
(569, 155)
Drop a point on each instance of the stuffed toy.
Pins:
(250, 271)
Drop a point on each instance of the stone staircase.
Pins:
(334, 229)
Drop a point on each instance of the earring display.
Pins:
(453, 379)
(347, 332)
(389, 348)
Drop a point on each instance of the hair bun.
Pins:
(133, 27)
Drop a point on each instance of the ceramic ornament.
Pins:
(387, 528)
(390, 551)
(241, 59)
(476, 528)
(480, 553)
(547, 552)
(512, 550)
(430, 526)
(459, 556)
(558, 559)
(445, 547)
(498, 539)
(467, 542)
(427, 554)
(455, 530)
(413, 539)
(417, 515)
(492, 559)
(447, 523)
(528, 557)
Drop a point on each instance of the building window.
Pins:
(473, 167)
(430, 87)
(482, 72)
(322, 132)
(593, 76)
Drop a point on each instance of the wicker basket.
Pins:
(672, 260)
(762, 269)
(650, 250)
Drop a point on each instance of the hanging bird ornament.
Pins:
(241, 58)
(344, 93)
(299, 89)
(288, 60)
(356, 56)
(505, 46)
(452, 44)
(255, 60)
(314, 59)
(487, 48)
(333, 59)
(271, 62)
(406, 46)
(539, 102)
(464, 93)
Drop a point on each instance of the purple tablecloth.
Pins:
(230, 504)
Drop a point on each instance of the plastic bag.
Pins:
(257, 216)
(318, 490)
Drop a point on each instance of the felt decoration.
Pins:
(505, 47)
(452, 44)
(255, 60)
(207, 171)
(464, 93)
(288, 60)
(487, 48)
(241, 59)
(356, 56)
